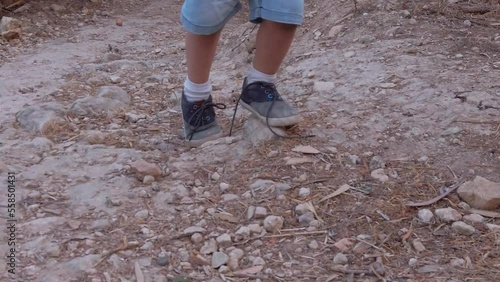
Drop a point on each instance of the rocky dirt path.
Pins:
(403, 102)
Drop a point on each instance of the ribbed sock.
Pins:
(254, 75)
(196, 92)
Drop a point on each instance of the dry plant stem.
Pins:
(119, 249)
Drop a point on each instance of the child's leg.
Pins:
(279, 19)
(203, 21)
(273, 41)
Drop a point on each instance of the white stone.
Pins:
(196, 238)
(194, 229)
(304, 192)
(425, 215)
(323, 86)
(473, 218)
(255, 228)
(379, 174)
(313, 245)
(340, 258)
(480, 193)
(224, 240)
(260, 212)
(273, 223)
(448, 214)
(219, 259)
(230, 197)
(463, 228)
(418, 246)
(493, 227)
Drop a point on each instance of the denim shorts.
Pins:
(209, 16)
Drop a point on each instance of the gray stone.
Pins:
(115, 79)
(224, 240)
(425, 215)
(234, 257)
(115, 93)
(304, 192)
(99, 224)
(376, 163)
(243, 232)
(448, 214)
(493, 227)
(473, 218)
(301, 209)
(250, 212)
(405, 14)
(260, 212)
(42, 225)
(366, 39)
(93, 136)
(53, 250)
(82, 264)
(41, 144)
(273, 223)
(255, 228)
(463, 228)
(481, 193)
(412, 262)
(418, 246)
(134, 118)
(196, 238)
(194, 229)
(160, 278)
(39, 119)
(334, 31)
(340, 258)
(354, 159)
(218, 259)
(379, 174)
(96, 106)
(306, 219)
(142, 214)
(209, 247)
(259, 261)
(451, 131)
(162, 260)
(148, 179)
(323, 86)
(313, 245)
(230, 197)
(223, 187)
(258, 132)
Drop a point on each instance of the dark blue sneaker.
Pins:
(199, 121)
(262, 99)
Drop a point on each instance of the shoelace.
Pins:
(269, 89)
(199, 115)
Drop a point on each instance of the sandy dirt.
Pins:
(410, 90)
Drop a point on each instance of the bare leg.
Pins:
(200, 52)
(273, 42)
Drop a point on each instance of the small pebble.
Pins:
(313, 245)
(223, 187)
(354, 159)
(473, 218)
(457, 262)
(260, 212)
(418, 246)
(412, 262)
(425, 215)
(467, 23)
(162, 261)
(196, 238)
(304, 192)
(340, 258)
(448, 214)
(215, 176)
(463, 228)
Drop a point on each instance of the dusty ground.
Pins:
(412, 83)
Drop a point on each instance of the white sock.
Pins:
(254, 75)
(196, 92)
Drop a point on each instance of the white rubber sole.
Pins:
(275, 122)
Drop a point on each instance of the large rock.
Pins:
(38, 119)
(95, 106)
(481, 193)
(115, 93)
(10, 28)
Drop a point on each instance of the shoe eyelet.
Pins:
(270, 96)
(196, 107)
(207, 118)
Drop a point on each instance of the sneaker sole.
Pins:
(275, 122)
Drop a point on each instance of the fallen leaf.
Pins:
(344, 188)
(407, 235)
(249, 271)
(344, 244)
(226, 217)
(306, 150)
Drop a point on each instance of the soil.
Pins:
(416, 83)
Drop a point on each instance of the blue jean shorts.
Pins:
(209, 16)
